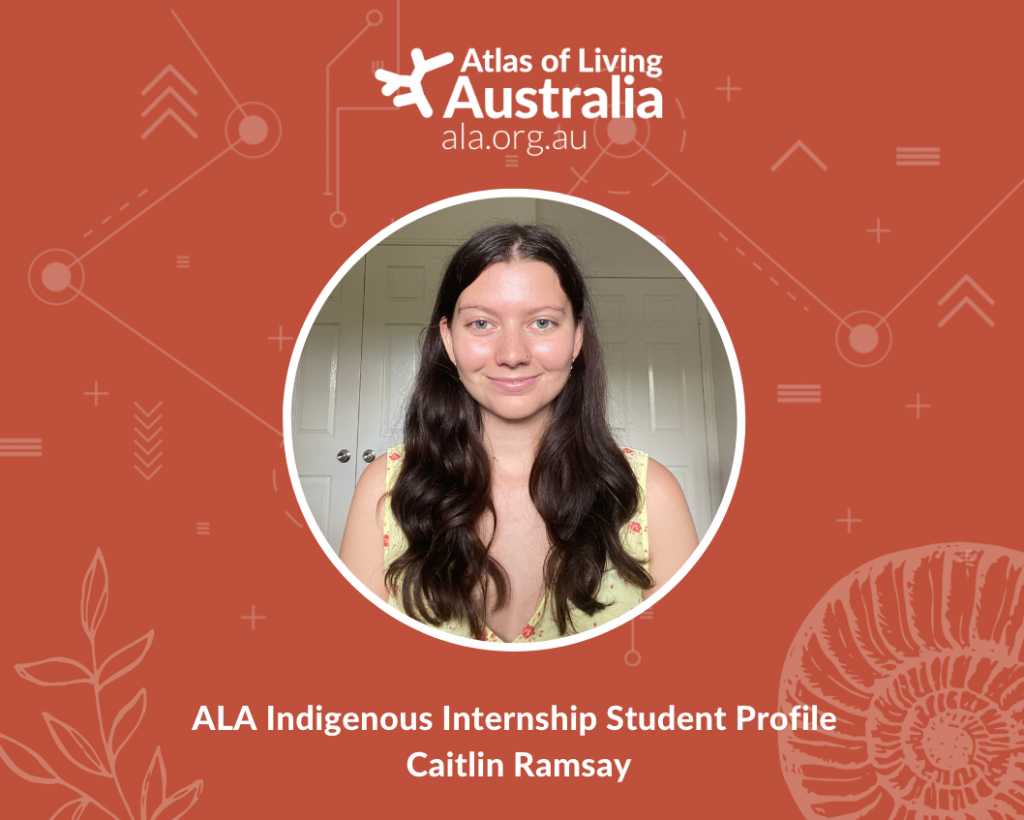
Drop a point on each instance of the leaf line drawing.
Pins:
(154, 803)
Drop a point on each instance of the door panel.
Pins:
(650, 333)
(325, 406)
(401, 284)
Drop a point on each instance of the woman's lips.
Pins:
(514, 385)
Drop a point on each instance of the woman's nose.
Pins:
(512, 349)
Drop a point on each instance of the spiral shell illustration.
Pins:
(920, 655)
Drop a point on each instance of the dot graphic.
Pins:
(622, 132)
(253, 129)
(56, 276)
(374, 17)
(864, 338)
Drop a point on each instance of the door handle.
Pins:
(368, 456)
(344, 456)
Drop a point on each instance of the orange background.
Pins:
(852, 84)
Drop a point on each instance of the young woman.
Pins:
(510, 513)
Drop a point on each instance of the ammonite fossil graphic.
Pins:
(920, 655)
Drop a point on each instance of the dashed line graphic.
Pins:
(771, 279)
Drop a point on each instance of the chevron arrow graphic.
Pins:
(173, 93)
(150, 425)
(800, 144)
(142, 410)
(162, 74)
(149, 453)
(967, 300)
(151, 449)
(148, 464)
(169, 111)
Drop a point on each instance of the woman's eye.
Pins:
(479, 324)
(543, 324)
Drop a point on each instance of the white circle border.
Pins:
(476, 196)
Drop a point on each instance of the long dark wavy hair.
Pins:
(581, 483)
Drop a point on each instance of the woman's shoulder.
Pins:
(373, 478)
(672, 536)
(664, 494)
(661, 481)
(374, 485)
(379, 476)
(361, 545)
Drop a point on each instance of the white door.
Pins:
(401, 284)
(651, 340)
(325, 406)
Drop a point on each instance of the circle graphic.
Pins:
(56, 276)
(863, 338)
(918, 654)
(620, 132)
(253, 130)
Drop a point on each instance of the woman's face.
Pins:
(513, 339)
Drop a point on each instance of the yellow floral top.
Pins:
(619, 594)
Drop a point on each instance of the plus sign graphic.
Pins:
(918, 406)
(848, 521)
(878, 230)
(95, 393)
(728, 88)
(254, 617)
(280, 338)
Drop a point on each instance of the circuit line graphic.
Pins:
(954, 248)
(177, 361)
(188, 34)
(863, 337)
(327, 104)
(55, 275)
(374, 18)
(162, 197)
(729, 222)
(583, 177)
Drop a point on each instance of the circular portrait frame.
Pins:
(477, 196)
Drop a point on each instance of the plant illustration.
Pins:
(155, 803)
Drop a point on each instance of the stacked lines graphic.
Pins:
(21, 447)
